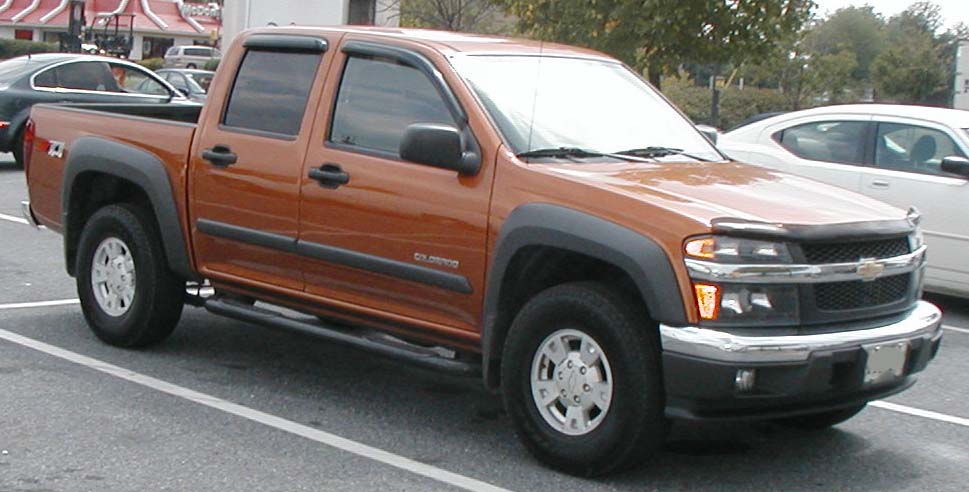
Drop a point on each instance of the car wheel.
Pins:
(17, 148)
(582, 382)
(190, 66)
(821, 420)
(128, 295)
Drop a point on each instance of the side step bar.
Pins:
(385, 346)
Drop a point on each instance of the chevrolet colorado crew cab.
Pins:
(530, 212)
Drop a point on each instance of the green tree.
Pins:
(858, 30)
(480, 16)
(656, 36)
(914, 68)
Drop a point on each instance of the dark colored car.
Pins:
(193, 84)
(60, 77)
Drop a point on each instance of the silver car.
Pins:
(190, 56)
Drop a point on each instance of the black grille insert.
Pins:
(858, 294)
(821, 253)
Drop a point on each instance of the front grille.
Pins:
(821, 253)
(858, 294)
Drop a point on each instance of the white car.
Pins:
(904, 155)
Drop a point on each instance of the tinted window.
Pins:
(913, 148)
(134, 81)
(829, 141)
(271, 90)
(378, 99)
(88, 76)
(198, 52)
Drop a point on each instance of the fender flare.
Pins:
(145, 170)
(540, 224)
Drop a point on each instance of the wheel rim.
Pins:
(113, 276)
(571, 382)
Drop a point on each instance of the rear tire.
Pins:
(128, 295)
(600, 407)
(18, 148)
(190, 66)
(821, 420)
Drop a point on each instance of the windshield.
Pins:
(13, 69)
(551, 102)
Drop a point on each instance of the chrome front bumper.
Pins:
(923, 322)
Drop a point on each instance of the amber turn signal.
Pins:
(701, 248)
(707, 300)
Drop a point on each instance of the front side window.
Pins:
(270, 91)
(133, 81)
(378, 99)
(827, 141)
(913, 148)
(173, 51)
(205, 52)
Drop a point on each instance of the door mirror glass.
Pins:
(438, 145)
(956, 165)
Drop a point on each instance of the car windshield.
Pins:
(542, 103)
(13, 69)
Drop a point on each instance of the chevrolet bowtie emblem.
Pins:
(869, 270)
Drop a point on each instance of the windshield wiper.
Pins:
(576, 153)
(652, 152)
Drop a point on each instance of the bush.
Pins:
(152, 63)
(212, 64)
(10, 48)
(735, 105)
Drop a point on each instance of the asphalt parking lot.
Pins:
(225, 406)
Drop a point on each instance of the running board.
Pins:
(367, 340)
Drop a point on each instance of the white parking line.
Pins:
(353, 447)
(11, 218)
(25, 305)
(956, 329)
(918, 412)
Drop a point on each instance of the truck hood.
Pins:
(706, 191)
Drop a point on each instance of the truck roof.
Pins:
(450, 42)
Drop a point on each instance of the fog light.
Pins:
(744, 380)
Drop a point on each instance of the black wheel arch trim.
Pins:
(540, 224)
(145, 170)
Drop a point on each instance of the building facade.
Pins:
(961, 98)
(239, 15)
(158, 24)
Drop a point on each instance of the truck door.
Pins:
(377, 232)
(247, 164)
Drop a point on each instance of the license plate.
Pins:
(886, 362)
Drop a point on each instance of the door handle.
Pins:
(220, 156)
(330, 176)
(879, 184)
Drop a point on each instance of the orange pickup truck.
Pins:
(533, 213)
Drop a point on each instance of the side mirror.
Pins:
(710, 132)
(439, 146)
(956, 165)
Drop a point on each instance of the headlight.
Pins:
(722, 249)
(739, 304)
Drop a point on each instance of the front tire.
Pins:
(128, 295)
(582, 379)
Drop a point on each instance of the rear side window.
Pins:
(828, 141)
(198, 51)
(270, 92)
(87, 76)
(378, 99)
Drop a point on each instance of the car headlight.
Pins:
(722, 249)
(736, 303)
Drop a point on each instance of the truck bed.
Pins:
(163, 130)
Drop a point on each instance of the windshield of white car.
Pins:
(546, 102)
